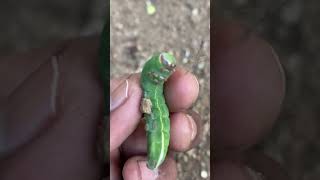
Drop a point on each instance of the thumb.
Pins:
(125, 108)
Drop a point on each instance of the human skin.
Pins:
(249, 87)
(58, 141)
(45, 141)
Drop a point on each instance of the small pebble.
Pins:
(185, 60)
(119, 26)
(201, 65)
(187, 53)
(195, 15)
(185, 158)
(204, 174)
(195, 12)
(208, 153)
(201, 81)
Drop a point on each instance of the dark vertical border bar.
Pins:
(104, 55)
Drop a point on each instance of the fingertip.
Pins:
(136, 168)
(183, 131)
(181, 90)
(125, 118)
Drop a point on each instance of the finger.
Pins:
(27, 94)
(181, 90)
(128, 94)
(15, 69)
(125, 118)
(119, 94)
(28, 109)
(135, 169)
(249, 87)
(115, 82)
(185, 133)
(65, 149)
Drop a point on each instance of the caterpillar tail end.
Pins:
(152, 165)
(154, 170)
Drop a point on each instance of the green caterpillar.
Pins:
(156, 114)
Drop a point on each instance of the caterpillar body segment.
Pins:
(155, 72)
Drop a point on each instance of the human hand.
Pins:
(127, 134)
(248, 92)
(51, 101)
(54, 138)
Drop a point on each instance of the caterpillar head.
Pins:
(167, 65)
(158, 68)
(167, 61)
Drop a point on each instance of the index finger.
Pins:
(181, 90)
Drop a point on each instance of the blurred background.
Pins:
(180, 27)
(293, 29)
(35, 23)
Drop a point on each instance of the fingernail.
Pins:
(192, 126)
(197, 83)
(254, 175)
(145, 172)
(119, 95)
